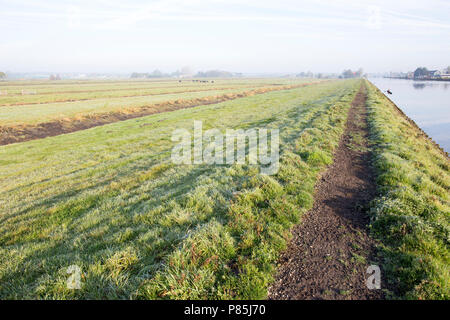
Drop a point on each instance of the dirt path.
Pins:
(331, 250)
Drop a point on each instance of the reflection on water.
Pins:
(426, 102)
(419, 85)
(422, 84)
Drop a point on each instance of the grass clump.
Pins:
(121, 260)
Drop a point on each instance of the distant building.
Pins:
(434, 73)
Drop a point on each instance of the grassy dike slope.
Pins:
(411, 216)
(109, 200)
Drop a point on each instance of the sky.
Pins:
(251, 36)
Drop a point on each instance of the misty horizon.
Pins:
(258, 37)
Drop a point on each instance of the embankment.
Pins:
(411, 214)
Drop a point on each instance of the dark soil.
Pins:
(331, 248)
(20, 133)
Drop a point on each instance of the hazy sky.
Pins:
(245, 36)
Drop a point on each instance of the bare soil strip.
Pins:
(331, 249)
(25, 132)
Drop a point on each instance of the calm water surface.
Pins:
(426, 102)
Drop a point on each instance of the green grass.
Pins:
(114, 89)
(411, 216)
(38, 113)
(109, 200)
(46, 86)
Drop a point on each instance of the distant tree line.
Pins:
(184, 72)
(2, 75)
(424, 73)
(319, 75)
(54, 77)
(155, 74)
(421, 72)
(352, 74)
(308, 74)
(216, 74)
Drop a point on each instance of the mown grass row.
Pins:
(114, 91)
(15, 88)
(79, 110)
(83, 96)
(109, 200)
(39, 113)
(412, 213)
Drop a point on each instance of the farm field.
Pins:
(61, 108)
(108, 199)
(220, 159)
(19, 93)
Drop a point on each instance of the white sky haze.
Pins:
(243, 36)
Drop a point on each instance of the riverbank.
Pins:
(425, 79)
(413, 123)
(410, 217)
(383, 201)
(427, 103)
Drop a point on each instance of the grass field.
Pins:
(57, 92)
(61, 101)
(109, 200)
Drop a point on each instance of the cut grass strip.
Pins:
(28, 100)
(80, 119)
